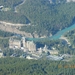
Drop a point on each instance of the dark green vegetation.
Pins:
(5, 34)
(10, 3)
(17, 66)
(47, 18)
(60, 45)
(71, 37)
(4, 43)
(8, 52)
(4, 37)
(13, 17)
(10, 15)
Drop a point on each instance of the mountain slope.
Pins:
(7, 12)
(47, 18)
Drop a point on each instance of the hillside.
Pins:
(7, 12)
(47, 18)
(37, 37)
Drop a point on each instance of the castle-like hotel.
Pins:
(29, 46)
(22, 44)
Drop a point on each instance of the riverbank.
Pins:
(65, 38)
(13, 28)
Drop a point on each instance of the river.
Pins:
(56, 36)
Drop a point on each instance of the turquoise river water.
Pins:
(56, 36)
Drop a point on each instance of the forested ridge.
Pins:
(46, 17)
(7, 12)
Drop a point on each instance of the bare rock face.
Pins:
(61, 1)
(70, 0)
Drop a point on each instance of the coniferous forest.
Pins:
(18, 66)
(43, 19)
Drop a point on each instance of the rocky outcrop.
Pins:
(61, 1)
(70, 0)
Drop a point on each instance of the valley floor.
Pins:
(13, 28)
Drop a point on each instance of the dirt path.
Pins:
(14, 28)
(11, 24)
